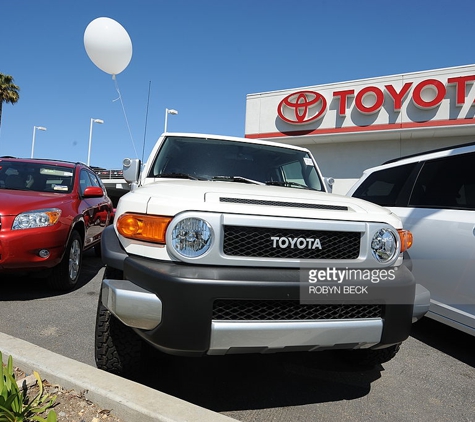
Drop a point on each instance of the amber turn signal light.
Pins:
(406, 239)
(147, 228)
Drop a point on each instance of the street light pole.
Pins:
(33, 141)
(167, 112)
(90, 137)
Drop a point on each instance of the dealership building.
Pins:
(350, 126)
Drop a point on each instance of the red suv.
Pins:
(50, 213)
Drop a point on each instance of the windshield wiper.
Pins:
(177, 176)
(238, 179)
(288, 184)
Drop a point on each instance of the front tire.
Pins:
(118, 349)
(65, 275)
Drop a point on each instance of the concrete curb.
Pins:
(126, 399)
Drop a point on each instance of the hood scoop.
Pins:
(273, 203)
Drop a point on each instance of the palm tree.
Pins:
(8, 92)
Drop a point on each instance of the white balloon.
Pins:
(108, 45)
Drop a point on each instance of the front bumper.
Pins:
(171, 306)
(19, 249)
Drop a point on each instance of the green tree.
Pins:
(8, 92)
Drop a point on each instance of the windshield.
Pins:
(17, 175)
(244, 162)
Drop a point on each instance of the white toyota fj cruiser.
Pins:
(230, 245)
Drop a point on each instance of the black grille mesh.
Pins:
(257, 242)
(280, 310)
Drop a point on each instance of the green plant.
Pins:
(15, 405)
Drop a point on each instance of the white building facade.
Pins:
(353, 125)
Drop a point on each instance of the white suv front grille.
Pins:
(282, 243)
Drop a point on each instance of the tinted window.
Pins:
(384, 187)
(446, 183)
(84, 180)
(207, 159)
(95, 181)
(35, 176)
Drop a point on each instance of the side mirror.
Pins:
(329, 182)
(93, 192)
(131, 170)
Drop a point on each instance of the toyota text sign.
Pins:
(410, 101)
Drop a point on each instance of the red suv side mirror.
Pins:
(93, 192)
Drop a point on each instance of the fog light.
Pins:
(44, 253)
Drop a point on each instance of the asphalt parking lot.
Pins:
(431, 379)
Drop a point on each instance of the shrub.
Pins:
(15, 405)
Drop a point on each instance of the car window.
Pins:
(383, 187)
(89, 178)
(84, 181)
(205, 159)
(35, 176)
(95, 181)
(447, 182)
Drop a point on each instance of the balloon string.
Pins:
(125, 114)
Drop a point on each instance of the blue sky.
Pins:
(202, 58)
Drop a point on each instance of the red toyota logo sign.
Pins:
(302, 107)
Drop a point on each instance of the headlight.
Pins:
(191, 237)
(384, 245)
(37, 218)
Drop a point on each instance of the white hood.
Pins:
(171, 196)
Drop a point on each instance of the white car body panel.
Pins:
(443, 261)
(443, 253)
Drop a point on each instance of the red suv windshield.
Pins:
(39, 177)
